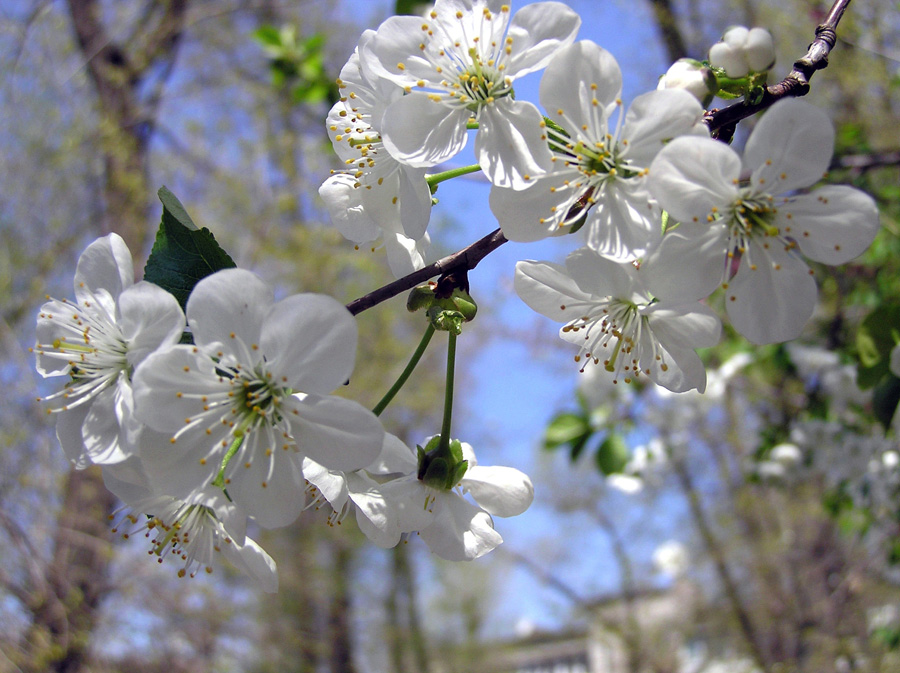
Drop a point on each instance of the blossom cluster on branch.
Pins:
(206, 418)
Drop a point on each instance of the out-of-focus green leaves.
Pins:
(297, 64)
(409, 6)
(183, 254)
(571, 429)
(575, 431)
(612, 455)
(885, 400)
(877, 336)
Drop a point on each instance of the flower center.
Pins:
(614, 334)
(96, 356)
(480, 85)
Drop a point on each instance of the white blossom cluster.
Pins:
(239, 422)
(198, 439)
(667, 215)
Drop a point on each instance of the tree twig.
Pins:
(464, 260)
(795, 84)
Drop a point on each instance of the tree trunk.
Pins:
(64, 617)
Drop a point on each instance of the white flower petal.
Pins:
(688, 263)
(831, 225)
(343, 199)
(624, 222)
(500, 491)
(395, 457)
(397, 42)
(567, 87)
(655, 118)
(511, 145)
(535, 213)
(253, 561)
(337, 433)
(103, 439)
(548, 289)
(68, 432)
(759, 49)
(105, 264)
(538, 32)
(269, 488)
(691, 176)
(460, 530)
(601, 276)
(790, 147)
(690, 326)
(772, 303)
(332, 484)
(228, 307)
(404, 254)
(421, 132)
(310, 341)
(149, 318)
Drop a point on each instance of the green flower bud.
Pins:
(441, 468)
(421, 296)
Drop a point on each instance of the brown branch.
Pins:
(861, 163)
(464, 260)
(795, 84)
(667, 25)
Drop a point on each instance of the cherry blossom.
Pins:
(195, 530)
(376, 195)
(460, 62)
(598, 172)
(609, 314)
(97, 341)
(729, 224)
(249, 401)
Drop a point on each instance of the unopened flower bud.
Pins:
(441, 468)
(759, 49)
(730, 59)
(743, 51)
(693, 77)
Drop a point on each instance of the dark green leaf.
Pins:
(182, 254)
(885, 401)
(875, 339)
(408, 6)
(173, 211)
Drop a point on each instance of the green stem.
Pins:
(472, 125)
(438, 178)
(448, 393)
(413, 361)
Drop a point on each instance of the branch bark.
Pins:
(464, 260)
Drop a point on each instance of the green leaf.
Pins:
(612, 455)
(173, 210)
(408, 6)
(885, 401)
(268, 36)
(565, 428)
(875, 339)
(182, 254)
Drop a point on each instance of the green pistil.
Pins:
(750, 216)
(610, 365)
(173, 529)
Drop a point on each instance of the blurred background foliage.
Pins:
(781, 483)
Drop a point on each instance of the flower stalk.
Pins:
(405, 374)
